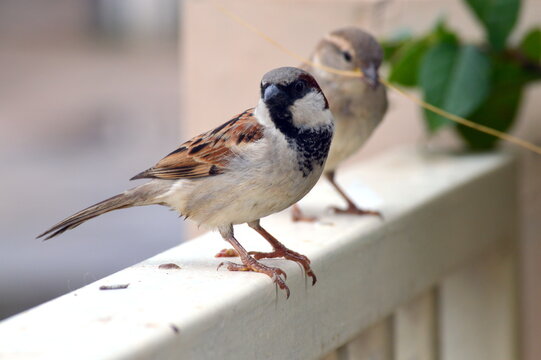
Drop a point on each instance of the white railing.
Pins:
(434, 280)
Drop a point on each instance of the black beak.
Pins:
(272, 94)
(370, 75)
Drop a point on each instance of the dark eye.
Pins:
(347, 56)
(299, 86)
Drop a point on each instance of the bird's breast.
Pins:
(266, 177)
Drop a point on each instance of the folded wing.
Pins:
(209, 153)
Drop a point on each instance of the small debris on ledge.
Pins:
(114, 287)
(169, 266)
(174, 328)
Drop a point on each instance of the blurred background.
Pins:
(89, 96)
(92, 92)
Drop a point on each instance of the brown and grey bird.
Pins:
(258, 163)
(358, 104)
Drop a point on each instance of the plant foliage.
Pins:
(482, 82)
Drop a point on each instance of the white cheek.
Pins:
(309, 111)
(262, 114)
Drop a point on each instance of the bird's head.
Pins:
(350, 48)
(292, 101)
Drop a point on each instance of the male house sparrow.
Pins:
(358, 104)
(258, 163)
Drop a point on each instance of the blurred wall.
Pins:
(223, 64)
(83, 107)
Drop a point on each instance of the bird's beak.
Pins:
(273, 94)
(370, 75)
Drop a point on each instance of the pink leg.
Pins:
(297, 215)
(280, 251)
(251, 264)
(352, 208)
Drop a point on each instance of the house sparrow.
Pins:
(358, 104)
(258, 163)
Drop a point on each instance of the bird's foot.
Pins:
(227, 253)
(297, 215)
(283, 252)
(251, 264)
(353, 210)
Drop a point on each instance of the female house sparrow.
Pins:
(358, 104)
(258, 163)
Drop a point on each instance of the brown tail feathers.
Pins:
(141, 195)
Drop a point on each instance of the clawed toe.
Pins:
(356, 211)
(252, 265)
(288, 255)
(303, 218)
(298, 216)
(231, 266)
(250, 259)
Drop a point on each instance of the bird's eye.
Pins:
(299, 86)
(347, 56)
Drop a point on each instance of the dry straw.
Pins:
(358, 73)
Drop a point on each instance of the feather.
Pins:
(209, 153)
(141, 195)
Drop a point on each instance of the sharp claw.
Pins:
(283, 273)
(289, 255)
(313, 276)
(282, 285)
(252, 265)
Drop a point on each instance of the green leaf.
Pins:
(441, 33)
(434, 77)
(531, 45)
(405, 62)
(471, 81)
(500, 107)
(498, 17)
(498, 112)
(454, 78)
(390, 48)
(406, 59)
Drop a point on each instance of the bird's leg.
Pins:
(352, 208)
(251, 264)
(280, 251)
(297, 215)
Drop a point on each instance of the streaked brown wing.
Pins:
(207, 154)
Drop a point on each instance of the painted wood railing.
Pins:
(434, 280)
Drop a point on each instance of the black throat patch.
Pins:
(313, 148)
(312, 145)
